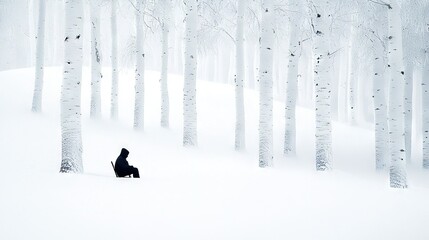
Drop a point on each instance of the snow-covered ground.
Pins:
(208, 192)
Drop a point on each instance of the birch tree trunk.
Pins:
(425, 93)
(114, 58)
(266, 85)
(380, 108)
(139, 74)
(398, 174)
(425, 110)
(40, 53)
(165, 101)
(240, 125)
(189, 89)
(96, 74)
(353, 75)
(71, 89)
(292, 80)
(320, 19)
(408, 109)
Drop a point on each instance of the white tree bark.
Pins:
(40, 53)
(408, 109)
(380, 108)
(189, 89)
(165, 101)
(425, 93)
(139, 73)
(425, 111)
(353, 74)
(398, 174)
(114, 58)
(96, 74)
(266, 85)
(240, 124)
(71, 89)
(320, 19)
(378, 37)
(292, 79)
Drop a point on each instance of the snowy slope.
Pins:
(208, 192)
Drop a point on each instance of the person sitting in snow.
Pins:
(122, 167)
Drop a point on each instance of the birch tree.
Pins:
(425, 91)
(71, 89)
(412, 12)
(40, 53)
(139, 73)
(165, 28)
(380, 105)
(376, 26)
(292, 77)
(266, 85)
(96, 74)
(114, 59)
(408, 91)
(240, 125)
(408, 107)
(353, 70)
(320, 19)
(218, 27)
(190, 75)
(398, 174)
(252, 35)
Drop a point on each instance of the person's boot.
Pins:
(136, 173)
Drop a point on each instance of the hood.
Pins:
(124, 153)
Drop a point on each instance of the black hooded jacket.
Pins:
(121, 166)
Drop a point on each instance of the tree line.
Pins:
(359, 58)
